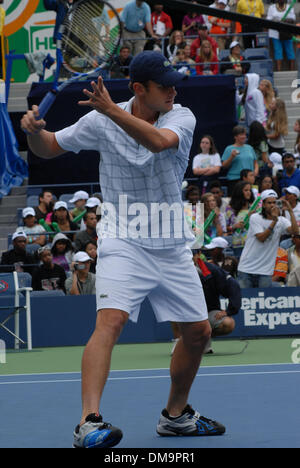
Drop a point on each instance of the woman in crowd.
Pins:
(277, 126)
(91, 250)
(207, 163)
(258, 140)
(268, 92)
(235, 63)
(176, 42)
(239, 205)
(218, 226)
(191, 22)
(207, 59)
(62, 217)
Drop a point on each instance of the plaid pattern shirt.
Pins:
(134, 181)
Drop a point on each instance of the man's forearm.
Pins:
(44, 145)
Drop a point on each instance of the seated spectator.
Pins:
(17, 259)
(190, 23)
(45, 205)
(207, 59)
(292, 195)
(176, 42)
(120, 64)
(266, 183)
(183, 63)
(93, 205)
(257, 262)
(215, 188)
(236, 64)
(35, 232)
(62, 251)
(218, 226)
(82, 280)
(203, 35)
(79, 199)
(281, 268)
(89, 234)
(216, 283)
(216, 250)
(290, 175)
(277, 126)
(258, 140)
(238, 208)
(252, 99)
(268, 92)
(91, 250)
(207, 163)
(62, 217)
(237, 157)
(48, 276)
(220, 26)
(248, 176)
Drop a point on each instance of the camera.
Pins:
(79, 266)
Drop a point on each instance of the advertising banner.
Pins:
(29, 28)
(268, 312)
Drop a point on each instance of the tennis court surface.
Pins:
(251, 387)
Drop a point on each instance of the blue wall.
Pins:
(70, 320)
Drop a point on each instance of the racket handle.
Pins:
(46, 104)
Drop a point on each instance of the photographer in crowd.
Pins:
(82, 281)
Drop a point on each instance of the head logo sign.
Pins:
(18, 16)
(3, 286)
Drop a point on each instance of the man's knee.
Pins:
(226, 327)
(196, 334)
(111, 321)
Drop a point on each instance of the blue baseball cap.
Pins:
(154, 66)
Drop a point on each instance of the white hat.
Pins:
(19, 234)
(234, 44)
(268, 194)
(80, 195)
(222, 1)
(276, 159)
(81, 257)
(217, 242)
(93, 201)
(60, 204)
(292, 189)
(28, 212)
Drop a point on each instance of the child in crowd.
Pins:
(79, 199)
(62, 251)
(91, 250)
(207, 164)
(48, 276)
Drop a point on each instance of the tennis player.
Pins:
(144, 145)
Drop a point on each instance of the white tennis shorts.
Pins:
(128, 273)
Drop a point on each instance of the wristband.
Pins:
(270, 228)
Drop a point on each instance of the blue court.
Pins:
(259, 405)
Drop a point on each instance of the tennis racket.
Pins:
(88, 39)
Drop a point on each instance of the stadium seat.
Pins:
(257, 53)
(15, 289)
(223, 53)
(263, 68)
(33, 200)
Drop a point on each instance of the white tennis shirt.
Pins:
(141, 189)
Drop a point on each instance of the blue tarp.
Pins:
(13, 169)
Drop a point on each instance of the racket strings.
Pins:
(90, 36)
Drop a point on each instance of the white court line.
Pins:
(153, 369)
(150, 377)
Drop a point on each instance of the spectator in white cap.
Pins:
(92, 206)
(17, 259)
(79, 199)
(258, 258)
(62, 217)
(276, 160)
(234, 62)
(35, 232)
(216, 249)
(292, 195)
(82, 280)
